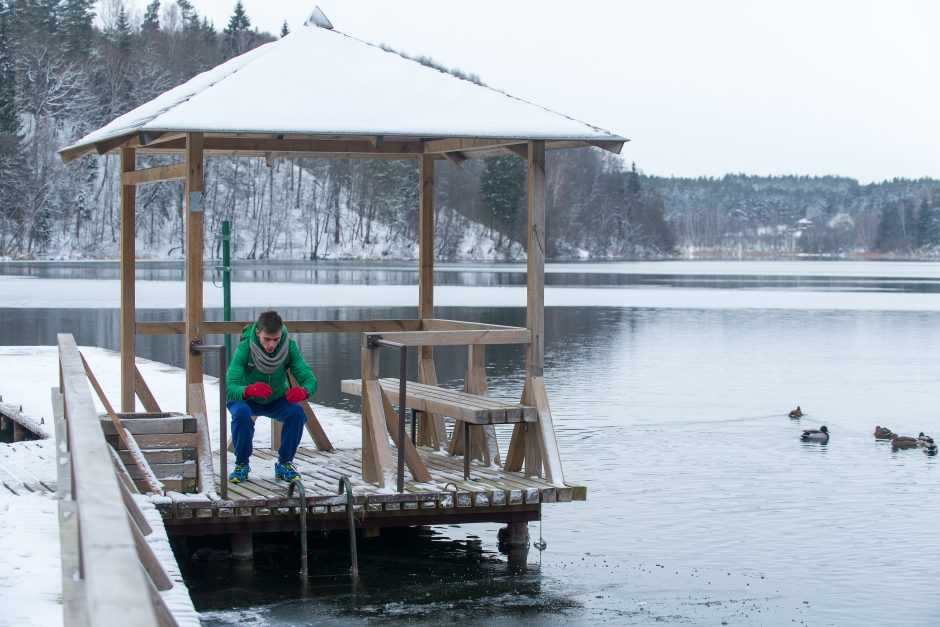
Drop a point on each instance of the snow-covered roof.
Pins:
(320, 83)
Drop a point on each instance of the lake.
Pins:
(703, 505)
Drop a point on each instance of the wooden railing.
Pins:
(109, 573)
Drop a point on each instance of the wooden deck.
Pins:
(18, 477)
(261, 504)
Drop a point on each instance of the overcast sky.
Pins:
(844, 87)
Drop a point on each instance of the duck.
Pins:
(903, 441)
(795, 413)
(883, 433)
(816, 435)
(924, 440)
(930, 449)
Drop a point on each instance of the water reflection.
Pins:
(407, 575)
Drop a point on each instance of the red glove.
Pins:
(296, 394)
(258, 390)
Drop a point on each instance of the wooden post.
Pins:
(128, 304)
(242, 546)
(483, 445)
(194, 262)
(205, 473)
(426, 243)
(535, 264)
(376, 454)
(432, 431)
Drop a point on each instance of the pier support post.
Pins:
(242, 546)
(514, 536)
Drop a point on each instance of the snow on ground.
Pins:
(28, 292)
(30, 580)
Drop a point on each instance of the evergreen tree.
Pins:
(238, 31)
(121, 37)
(188, 13)
(502, 187)
(928, 225)
(151, 23)
(76, 19)
(284, 30)
(8, 122)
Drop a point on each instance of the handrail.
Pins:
(114, 589)
(353, 554)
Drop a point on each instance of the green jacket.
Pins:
(242, 372)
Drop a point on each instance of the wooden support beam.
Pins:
(314, 428)
(419, 471)
(194, 254)
(611, 146)
(535, 261)
(426, 238)
(376, 455)
(128, 281)
(457, 158)
(464, 144)
(143, 392)
(484, 445)
(153, 175)
(432, 431)
(454, 338)
(520, 150)
(296, 326)
(106, 146)
(550, 456)
(205, 475)
(155, 138)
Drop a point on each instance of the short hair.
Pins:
(270, 321)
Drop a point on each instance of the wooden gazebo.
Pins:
(318, 92)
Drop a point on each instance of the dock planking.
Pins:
(261, 503)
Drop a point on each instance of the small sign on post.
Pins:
(196, 202)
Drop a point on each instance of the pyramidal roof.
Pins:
(320, 83)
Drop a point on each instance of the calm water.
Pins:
(703, 505)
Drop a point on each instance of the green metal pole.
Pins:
(226, 288)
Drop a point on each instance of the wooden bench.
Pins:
(470, 409)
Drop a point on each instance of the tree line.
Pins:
(62, 76)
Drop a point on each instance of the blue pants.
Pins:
(291, 415)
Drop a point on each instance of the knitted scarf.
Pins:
(268, 363)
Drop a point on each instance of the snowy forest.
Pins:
(65, 71)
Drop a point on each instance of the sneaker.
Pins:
(285, 471)
(240, 474)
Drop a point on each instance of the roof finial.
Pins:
(317, 18)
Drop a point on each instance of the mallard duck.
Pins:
(795, 413)
(816, 435)
(924, 440)
(883, 433)
(903, 441)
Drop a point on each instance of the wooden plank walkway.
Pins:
(19, 478)
(262, 504)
